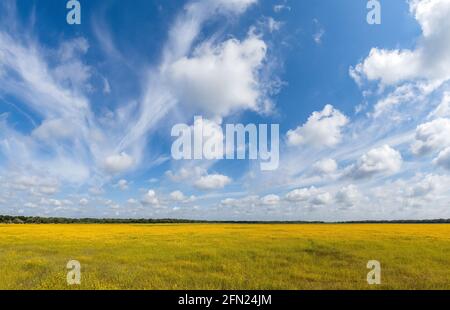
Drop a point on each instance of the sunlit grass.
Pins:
(225, 256)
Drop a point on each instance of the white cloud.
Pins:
(427, 193)
(382, 160)
(423, 187)
(245, 202)
(160, 97)
(443, 159)
(322, 129)
(30, 205)
(272, 24)
(132, 201)
(186, 173)
(96, 191)
(348, 196)
(322, 199)
(431, 57)
(150, 198)
(119, 163)
(57, 203)
(409, 93)
(319, 32)
(74, 74)
(325, 166)
(48, 189)
(388, 66)
(83, 202)
(432, 136)
(301, 194)
(443, 109)
(69, 50)
(32, 81)
(270, 200)
(177, 196)
(309, 196)
(234, 6)
(212, 182)
(34, 184)
(122, 185)
(55, 86)
(71, 71)
(106, 86)
(218, 80)
(55, 129)
(281, 7)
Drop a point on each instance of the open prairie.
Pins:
(225, 256)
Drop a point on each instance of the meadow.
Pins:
(225, 256)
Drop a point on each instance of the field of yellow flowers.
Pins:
(225, 256)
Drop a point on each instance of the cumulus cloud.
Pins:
(219, 79)
(309, 196)
(421, 191)
(443, 159)
(150, 198)
(410, 93)
(432, 136)
(429, 60)
(252, 201)
(348, 196)
(34, 184)
(179, 196)
(322, 199)
(301, 194)
(270, 200)
(382, 160)
(423, 187)
(245, 202)
(322, 129)
(118, 163)
(186, 174)
(51, 202)
(212, 182)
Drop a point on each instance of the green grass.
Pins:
(225, 256)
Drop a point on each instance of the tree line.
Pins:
(5, 219)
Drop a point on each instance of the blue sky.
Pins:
(86, 111)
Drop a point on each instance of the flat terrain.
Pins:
(225, 256)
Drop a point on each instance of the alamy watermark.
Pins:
(206, 140)
(374, 275)
(74, 14)
(374, 14)
(74, 274)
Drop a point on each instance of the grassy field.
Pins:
(217, 256)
